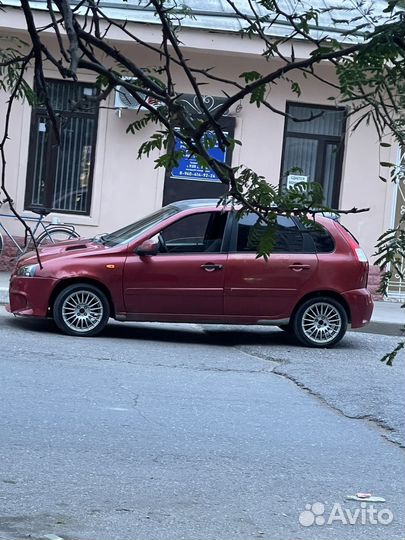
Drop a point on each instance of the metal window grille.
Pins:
(59, 176)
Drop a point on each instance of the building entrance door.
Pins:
(189, 180)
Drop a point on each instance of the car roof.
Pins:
(188, 204)
(194, 203)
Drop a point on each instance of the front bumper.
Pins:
(29, 296)
(361, 306)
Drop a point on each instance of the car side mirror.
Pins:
(148, 248)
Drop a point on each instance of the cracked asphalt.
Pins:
(178, 431)
(349, 378)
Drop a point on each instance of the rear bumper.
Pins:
(29, 297)
(361, 306)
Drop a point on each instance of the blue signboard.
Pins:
(189, 168)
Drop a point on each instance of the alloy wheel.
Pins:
(321, 323)
(81, 309)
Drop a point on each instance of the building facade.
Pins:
(94, 180)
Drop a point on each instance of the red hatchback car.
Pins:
(193, 261)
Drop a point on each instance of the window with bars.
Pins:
(59, 175)
(313, 147)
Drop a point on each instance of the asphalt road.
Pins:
(173, 431)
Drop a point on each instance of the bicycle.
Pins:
(48, 234)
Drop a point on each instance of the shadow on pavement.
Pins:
(218, 335)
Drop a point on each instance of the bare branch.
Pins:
(277, 74)
(170, 35)
(66, 12)
(38, 70)
(13, 96)
(57, 31)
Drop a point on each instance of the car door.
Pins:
(267, 289)
(186, 276)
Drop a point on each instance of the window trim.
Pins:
(225, 239)
(324, 140)
(307, 233)
(308, 246)
(51, 155)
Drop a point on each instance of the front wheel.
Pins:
(53, 235)
(81, 310)
(320, 322)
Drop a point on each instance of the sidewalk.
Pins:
(388, 317)
(4, 279)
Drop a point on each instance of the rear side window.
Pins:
(323, 240)
(319, 238)
(289, 239)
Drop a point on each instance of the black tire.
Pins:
(86, 298)
(54, 235)
(320, 322)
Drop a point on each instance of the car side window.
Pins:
(321, 238)
(197, 233)
(288, 238)
(323, 241)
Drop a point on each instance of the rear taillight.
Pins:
(361, 256)
(353, 243)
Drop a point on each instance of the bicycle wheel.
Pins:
(54, 235)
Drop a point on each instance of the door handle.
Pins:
(297, 267)
(210, 267)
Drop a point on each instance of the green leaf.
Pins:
(389, 358)
(295, 87)
(257, 95)
(156, 142)
(169, 160)
(250, 76)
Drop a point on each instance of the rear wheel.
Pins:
(81, 310)
(53, 235)
(320, 322)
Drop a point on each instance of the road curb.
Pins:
(382, 328)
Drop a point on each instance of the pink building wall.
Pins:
(125, 188)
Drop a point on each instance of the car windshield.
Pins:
(130, 232)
